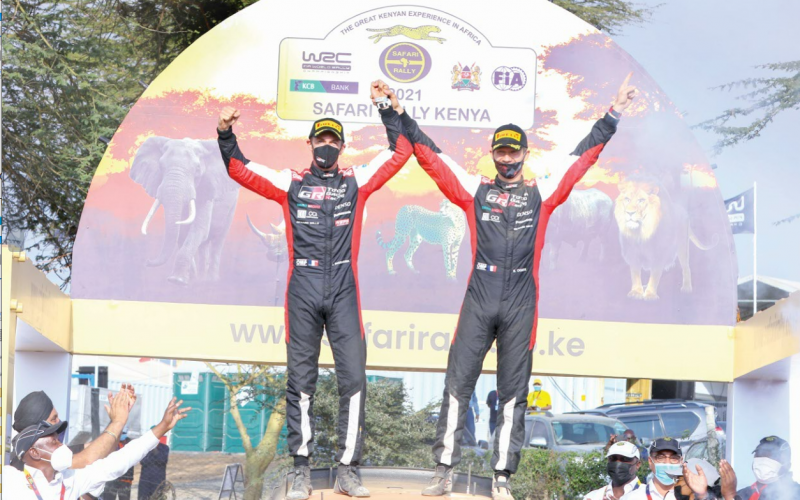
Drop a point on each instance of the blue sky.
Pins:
(692, 45)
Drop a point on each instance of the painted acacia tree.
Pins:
(245, 383)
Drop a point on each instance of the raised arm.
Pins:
(556, 188)
(454, 182)
(117, 463)
(269, 183)
(375, 174)
(118, 410)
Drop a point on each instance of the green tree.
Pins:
(71, 71)
(396, 435)
(609, 16)
(766, 97)
(247, 382)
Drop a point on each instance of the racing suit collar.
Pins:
(499, 182)
(322, 174)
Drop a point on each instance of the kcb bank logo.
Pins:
(509, 78)
(405, 62)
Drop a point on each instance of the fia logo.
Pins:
(509, 78)
(490, 217)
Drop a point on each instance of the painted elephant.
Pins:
(187, 177)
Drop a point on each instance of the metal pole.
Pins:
(755, 249)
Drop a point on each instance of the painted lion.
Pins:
(653, 231)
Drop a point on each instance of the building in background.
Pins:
(770, 291)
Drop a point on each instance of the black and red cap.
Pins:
(327, 125)
(511, 136)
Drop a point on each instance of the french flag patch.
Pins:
(313, 263)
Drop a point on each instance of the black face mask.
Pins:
(326, 156)
(508, 170)
(620, 473)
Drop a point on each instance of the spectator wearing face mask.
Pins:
(47, 473)
(666, 462)
(539, 400)
(772, 467)
(624, 461)
(37, 407)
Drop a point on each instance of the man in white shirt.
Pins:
(47, 476)
(623, 464)
(666, 462)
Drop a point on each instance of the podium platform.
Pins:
(390, 483)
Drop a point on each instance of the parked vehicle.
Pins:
(681, 420)
(566, 432)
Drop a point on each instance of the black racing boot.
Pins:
(348, 482)
(441, 482)
(301, 484)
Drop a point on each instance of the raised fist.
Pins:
(227, 117)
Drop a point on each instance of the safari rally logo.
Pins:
(405, 62)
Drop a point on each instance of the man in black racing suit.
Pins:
(507, 217)
(323, 207)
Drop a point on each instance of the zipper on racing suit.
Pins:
(329, 223)
(509, 250)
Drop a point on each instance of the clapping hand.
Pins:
(696, 482)
(119, 406)
(727, 480)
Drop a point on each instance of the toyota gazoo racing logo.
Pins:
(509, 78)
(498, 198)
(312, 193)
(336, 193)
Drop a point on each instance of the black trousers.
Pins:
(480, 323)
(117, 490)
(333, 305)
